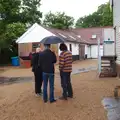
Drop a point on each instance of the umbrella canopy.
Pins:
(52, 40)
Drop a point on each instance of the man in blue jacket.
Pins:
(47, 61)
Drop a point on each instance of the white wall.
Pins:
(109, 48)
(86, 49)
(116, 23)
(108, 33)
(92, 51)
(75, 48)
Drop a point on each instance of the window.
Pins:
(62, 35)
(79, 36)
(35, 45)
(70, 46)
(94, 36)
(72, 37)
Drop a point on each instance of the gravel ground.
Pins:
(18, 102)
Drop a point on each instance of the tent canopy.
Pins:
(34, 34)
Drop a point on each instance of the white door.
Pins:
(94, 51)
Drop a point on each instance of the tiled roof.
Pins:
(67, 35)
(87, 33)
(80, 35)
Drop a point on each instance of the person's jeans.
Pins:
(66, 84)
(48, 77)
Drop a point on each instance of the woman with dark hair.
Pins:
(65, 67)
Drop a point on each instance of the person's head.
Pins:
(38, 50)
(63, 47)
(47, 46)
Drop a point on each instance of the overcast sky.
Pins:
(75, 8)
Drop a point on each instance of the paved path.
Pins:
(16, 75)
(22, 72)
(11, 80)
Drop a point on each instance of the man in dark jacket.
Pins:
(48, 58)
(37, 72)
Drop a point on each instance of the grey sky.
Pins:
(75, 8)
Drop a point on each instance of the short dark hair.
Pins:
(63, 47)
(47, 45)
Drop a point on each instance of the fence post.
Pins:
(99, 57)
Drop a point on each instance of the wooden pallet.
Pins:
(109, 74)
(106, 68)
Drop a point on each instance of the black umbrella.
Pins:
(52, 40)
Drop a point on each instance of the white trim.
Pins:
(34, 34)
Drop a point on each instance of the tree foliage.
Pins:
(15, 15)
(29, 11)
(11, 33)
(102, 17)
(58, 20)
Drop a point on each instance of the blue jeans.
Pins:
(48, 77)
(66, 84)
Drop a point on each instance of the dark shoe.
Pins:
(63, 98)
(45, 101)
(70, 96)
(53, 101)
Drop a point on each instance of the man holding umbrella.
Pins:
(48, 59)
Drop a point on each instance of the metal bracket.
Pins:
(116, 91)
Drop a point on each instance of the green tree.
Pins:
(106, 14)
(58, 20)
(11, 33)
(14, 13)
(102, 17)
(15, 17)
(29, 11)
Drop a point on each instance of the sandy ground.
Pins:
(18, 102)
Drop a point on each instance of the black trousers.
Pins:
(66, 84)
(38, 80)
